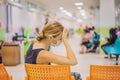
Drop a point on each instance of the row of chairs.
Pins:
(62, 72)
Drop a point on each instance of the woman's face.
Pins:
(92, 32)
(56, 41)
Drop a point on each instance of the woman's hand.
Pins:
(64, 36)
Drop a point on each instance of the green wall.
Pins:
(104, 32)
(2, 34)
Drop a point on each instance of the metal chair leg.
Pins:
(117, 56)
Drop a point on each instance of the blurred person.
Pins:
(87, 28)
(110, 41)
(85, 40)
(15, 38)
(93, 42)
(36, 31)
(71, 32)
(118, 33)
(52, 34)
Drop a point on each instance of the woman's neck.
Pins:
(43, 43)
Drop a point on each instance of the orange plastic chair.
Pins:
(3, 73)
(104, 72)
(48, 72)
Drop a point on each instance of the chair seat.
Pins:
(112, 50)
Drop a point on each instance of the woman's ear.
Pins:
(50, 38)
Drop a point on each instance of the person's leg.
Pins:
(96, 45)
(102, 47)
(82, 49)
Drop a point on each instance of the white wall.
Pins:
(26, 19)
(68, 24)
(3, 15)
(107, 13)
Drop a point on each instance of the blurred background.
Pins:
(22, 20)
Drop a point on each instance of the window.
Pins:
(17, 1)
(31, 5)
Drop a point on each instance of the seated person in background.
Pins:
(110, 41)
(118, 33)
(52, 34)
(36, 31)
(86, 39)
(15, 38)
(94, 43)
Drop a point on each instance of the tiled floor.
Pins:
(84, 60)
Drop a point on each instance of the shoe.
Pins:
(81, 52)
(92, 51)
(106, 57)
(112, 57)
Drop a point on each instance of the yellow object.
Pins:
(104, 72)
(3, 73)
(48, 72)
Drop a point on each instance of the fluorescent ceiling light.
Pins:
(61, 8)
(79, 4)
(82, 14)
(69, 14)
(33, 9)
(79, 20)
(64, 11)
(79, 8)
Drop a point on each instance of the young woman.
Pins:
(52, 34)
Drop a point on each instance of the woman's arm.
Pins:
(47, 56)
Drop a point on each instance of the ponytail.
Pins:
(40, 36)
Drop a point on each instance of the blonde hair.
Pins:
(53, 29)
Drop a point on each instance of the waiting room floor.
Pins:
(84, 60)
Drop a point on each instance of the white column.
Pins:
(107, 13)
(96, 21)
(22, 58)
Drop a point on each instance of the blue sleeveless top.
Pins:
(32, 55)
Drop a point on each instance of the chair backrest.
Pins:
(3, 73)
(117, 43)
(47, 72)
(104, 72)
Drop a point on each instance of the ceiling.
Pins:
(89, 7)
(69, 5)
